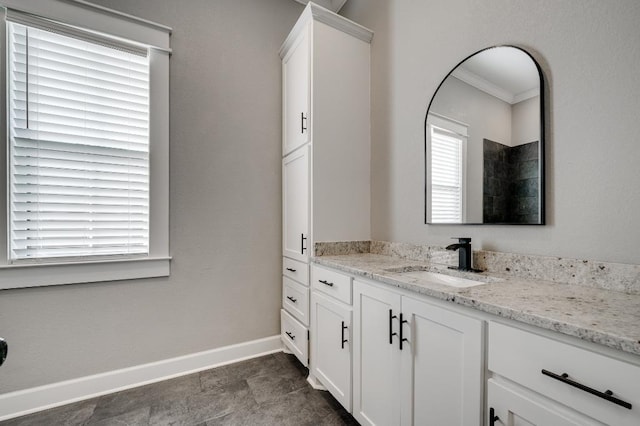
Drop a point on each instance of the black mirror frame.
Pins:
(541, 148)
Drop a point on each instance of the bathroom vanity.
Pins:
(397, 346)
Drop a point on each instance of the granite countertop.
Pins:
(609, 318)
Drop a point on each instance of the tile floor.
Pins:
(270, 390)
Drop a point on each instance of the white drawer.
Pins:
(294, 336)
(295, 299)
(332, 283)
(295, 269)
(522, 356)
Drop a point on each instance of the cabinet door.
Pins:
(441, 366)
(514, 407)
(331, 346)
(296, 87)
(295, 209)
(376, 362)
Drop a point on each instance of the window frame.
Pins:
(157, 264)
(460, 130)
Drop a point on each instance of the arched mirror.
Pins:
(484, 140)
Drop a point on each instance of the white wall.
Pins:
(588, 53)
(525, 127)
(225, 284)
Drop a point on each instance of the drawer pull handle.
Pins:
(291, 336)
(391, 333)
(325, 282)
(344, 327)
(608, 395)
(492, 417)
(302, 240)
(291, 270)
(293, 299)
(402, 322)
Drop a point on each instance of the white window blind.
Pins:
(79, 146)
(446, 175)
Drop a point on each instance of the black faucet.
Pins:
(464, 254)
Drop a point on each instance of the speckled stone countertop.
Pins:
(606, 317)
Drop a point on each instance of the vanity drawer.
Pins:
(522, 356)
(332, 283)
(295, 269)
(295, 299)
(294, 336)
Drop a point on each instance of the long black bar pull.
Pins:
(391, 333)
(344, 327)
(293, 299)
(4, 349)
(291, 336)
(492, 417)
(302, 122)
(608, 395)
(402, 322)
(302, 240)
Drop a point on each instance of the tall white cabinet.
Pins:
(325, 149)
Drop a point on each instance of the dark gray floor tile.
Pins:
(166, 391)
(71, 414)
(221, 376)
(271, 387)
(169, 412)
(138, 417)
(220, 402)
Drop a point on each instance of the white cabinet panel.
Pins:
(295, 299)
(514, 407)
(376, 367)
(331, 346)
(441, 366)
(522, 356)
(330, 282)
(296, 270)
(296, 88)
(295, 336)
(295, 208)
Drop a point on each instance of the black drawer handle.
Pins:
(291, 336)
(344, 327)
(291, 270)
(293, 299)
(325, 282)
(401, 337)
(492, 417)
(608, 395)
(391, 332)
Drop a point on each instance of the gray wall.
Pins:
(589, 56)
(225, 284)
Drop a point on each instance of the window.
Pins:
(446, 143)
(87, 193)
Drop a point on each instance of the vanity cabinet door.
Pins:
(441, 366)
(295, 200)
(331, 346)
(296, 88)
(376, 366)
(512, 406)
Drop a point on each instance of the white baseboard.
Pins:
(19, 403)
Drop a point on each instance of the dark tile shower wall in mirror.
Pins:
(510, 183)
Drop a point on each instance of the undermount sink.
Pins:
(423, 274)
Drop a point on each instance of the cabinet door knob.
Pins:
(291, 336)
(293, 299)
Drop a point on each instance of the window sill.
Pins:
(39, 275)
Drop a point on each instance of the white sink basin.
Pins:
(436, 278)
(425, 273)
